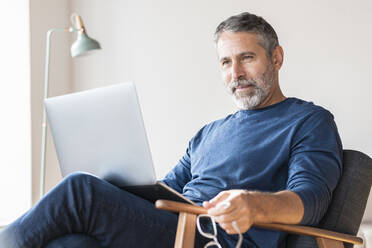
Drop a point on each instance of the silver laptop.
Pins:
(101, 132)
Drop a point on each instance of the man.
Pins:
(277, 159)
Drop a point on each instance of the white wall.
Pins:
(166, 48)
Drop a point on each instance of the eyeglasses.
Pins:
(212, 234)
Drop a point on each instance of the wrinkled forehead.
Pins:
(231, 44)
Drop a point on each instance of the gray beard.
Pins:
(251, 101)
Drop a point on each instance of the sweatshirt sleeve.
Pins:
(180, 174)
(315, 164)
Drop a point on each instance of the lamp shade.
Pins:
(83, 44)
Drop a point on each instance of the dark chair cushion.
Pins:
(349, 200)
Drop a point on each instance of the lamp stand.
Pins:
(44, 122)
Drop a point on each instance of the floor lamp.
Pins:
(81, 46)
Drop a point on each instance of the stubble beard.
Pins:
(250, 100)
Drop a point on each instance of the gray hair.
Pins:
(247, 22)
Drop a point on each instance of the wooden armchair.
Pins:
(343, 216)
(187, 221)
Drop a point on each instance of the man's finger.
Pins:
(221, 208)
(228, 217)
(220, 197)
(242, 226)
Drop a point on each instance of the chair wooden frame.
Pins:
(187, 223)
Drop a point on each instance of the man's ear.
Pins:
(277, 57)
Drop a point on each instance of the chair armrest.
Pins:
(296, 229)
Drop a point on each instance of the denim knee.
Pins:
(74, 241)
(80, 180)
(79, 177)
(78, 188)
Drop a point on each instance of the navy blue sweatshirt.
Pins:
(292, 145)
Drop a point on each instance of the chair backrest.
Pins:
(348, 201)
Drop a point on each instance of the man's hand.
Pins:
(229, 206)
(247, 207)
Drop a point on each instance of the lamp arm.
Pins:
(44, 122)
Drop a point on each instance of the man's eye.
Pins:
(247, 57)
(224, 63)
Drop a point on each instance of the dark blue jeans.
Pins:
(107, 216)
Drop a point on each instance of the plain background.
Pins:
(166, 47)
(15, 131)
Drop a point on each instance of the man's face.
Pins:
(246, 69)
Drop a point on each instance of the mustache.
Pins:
(241, 82)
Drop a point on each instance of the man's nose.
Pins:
(237, 71)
